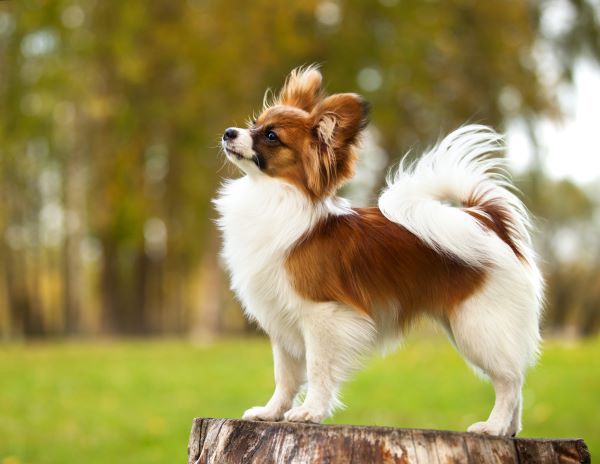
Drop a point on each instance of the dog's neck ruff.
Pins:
(260, 212)
(261, 219)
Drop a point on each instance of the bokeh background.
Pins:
(116, 323)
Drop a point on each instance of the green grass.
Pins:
(134, 401)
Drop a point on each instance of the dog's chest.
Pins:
(261, 220)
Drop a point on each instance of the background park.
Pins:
(116, 323)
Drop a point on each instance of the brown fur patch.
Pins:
(302, 89)
(496, 218)
(288, 157)
(314, 151)
(316, 135)
(337, 123)
(365, 260)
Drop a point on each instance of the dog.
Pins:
(330, 284)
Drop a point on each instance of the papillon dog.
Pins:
(330, 284)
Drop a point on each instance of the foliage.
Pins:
(134, 401)
(112, 113)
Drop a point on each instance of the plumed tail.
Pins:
(456, 194)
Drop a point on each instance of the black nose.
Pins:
(230, 134)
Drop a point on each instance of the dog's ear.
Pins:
(337, 123)
(302, 88)
(339, 119)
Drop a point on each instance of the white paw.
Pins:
(303, 414)
(262, 413)
(491, 428)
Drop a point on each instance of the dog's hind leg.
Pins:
(496, 330)
(506, 407)
(516, 421)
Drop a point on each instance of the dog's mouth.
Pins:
(235, 154)
(255, 158)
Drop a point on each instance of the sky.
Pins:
(571, 147)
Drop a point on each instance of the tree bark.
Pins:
(74, 204)
(237, 441)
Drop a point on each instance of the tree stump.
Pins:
(234, 441)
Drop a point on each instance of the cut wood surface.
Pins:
(235, 441)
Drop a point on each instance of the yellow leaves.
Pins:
(100, 107)
(11, 460)
(101, 82)
(133, 68)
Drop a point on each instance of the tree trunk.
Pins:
(139, 317)
(207, 322)
(74, 199)
(236, 441)
(111, 310)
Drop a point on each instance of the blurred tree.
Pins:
(563, 212)
(113, 110)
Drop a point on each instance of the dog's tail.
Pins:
(457, 195)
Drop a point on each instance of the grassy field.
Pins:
(134, 401)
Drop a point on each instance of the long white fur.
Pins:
(261, 219)
(496, 329)
(497, 332)
(457, 168)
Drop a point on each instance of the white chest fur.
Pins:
(261, 219)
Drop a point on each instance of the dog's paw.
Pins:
(303, 414)
(490, 428)
(262, 413)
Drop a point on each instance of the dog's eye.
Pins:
(271, 136)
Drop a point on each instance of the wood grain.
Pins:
(235, 441)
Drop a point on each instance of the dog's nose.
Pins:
(230, 134)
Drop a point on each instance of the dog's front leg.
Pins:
(289, 376)
(336, 338)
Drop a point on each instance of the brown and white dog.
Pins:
(330, 283)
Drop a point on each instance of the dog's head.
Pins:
(303, 137)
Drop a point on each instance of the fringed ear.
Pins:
(338, 121)
(302, 89)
